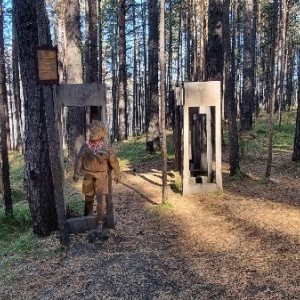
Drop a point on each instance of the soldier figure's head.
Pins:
(98, 130)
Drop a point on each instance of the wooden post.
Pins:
(55, 152)
(109, 218)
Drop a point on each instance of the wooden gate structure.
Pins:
(93, 96)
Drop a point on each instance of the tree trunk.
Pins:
(170, 58)
(135, 109)
(290, 72)
(152, 123)
(260, 62)
(179, 49)
(202, 40)
(122, 104)
(296, 151)
(188, 40)
(230, 103)
(54, 141)
(282, 59)
(91, 53)
(114, 90)
(100, 33)
(37, 165)
(214, 50)
(76, 118)
(272, 85)
(248, 65)
(3, 126)
(163, 101)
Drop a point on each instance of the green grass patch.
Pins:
(161, 209)
(176, 186)
(17, 241)
(263, 181)
(283, 136)
(16, 162)
(218, 193)
(74, 196)
(239, 176)
(133, 150)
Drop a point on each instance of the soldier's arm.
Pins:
(79, 163)
(114, 163)
(101, 155)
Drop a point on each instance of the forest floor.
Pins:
(242, 243)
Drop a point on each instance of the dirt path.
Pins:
(239, 244)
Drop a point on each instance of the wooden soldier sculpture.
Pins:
(94, 161)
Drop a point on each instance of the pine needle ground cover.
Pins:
(242, 243)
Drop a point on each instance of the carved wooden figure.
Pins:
(94, 162)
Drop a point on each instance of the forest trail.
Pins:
(242, 243)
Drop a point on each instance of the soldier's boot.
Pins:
(101, 208)
(89, 202)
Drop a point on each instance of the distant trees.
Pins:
(117, 43)
(126, 35)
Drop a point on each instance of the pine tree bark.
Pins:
(91, 53)
(163, 100)
(76, 118)
(296, 150)
(272, 83)
(17, 90)
(230, 101)
(5, 178)
(52, 125)
(202, 40)
(188, 40)
(136, 83)
(152, 107)
(282, 59)
(38, 173)
(248, 65)
(100, 41)
(122, 103)
(214, 50)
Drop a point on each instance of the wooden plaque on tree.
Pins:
(47, 66)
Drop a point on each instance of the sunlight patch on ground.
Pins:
(212, 229)
(276, 217)
(246, 234)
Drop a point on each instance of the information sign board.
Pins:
(47, 65)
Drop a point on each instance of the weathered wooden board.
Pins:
(87, 94)
(82, 224)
